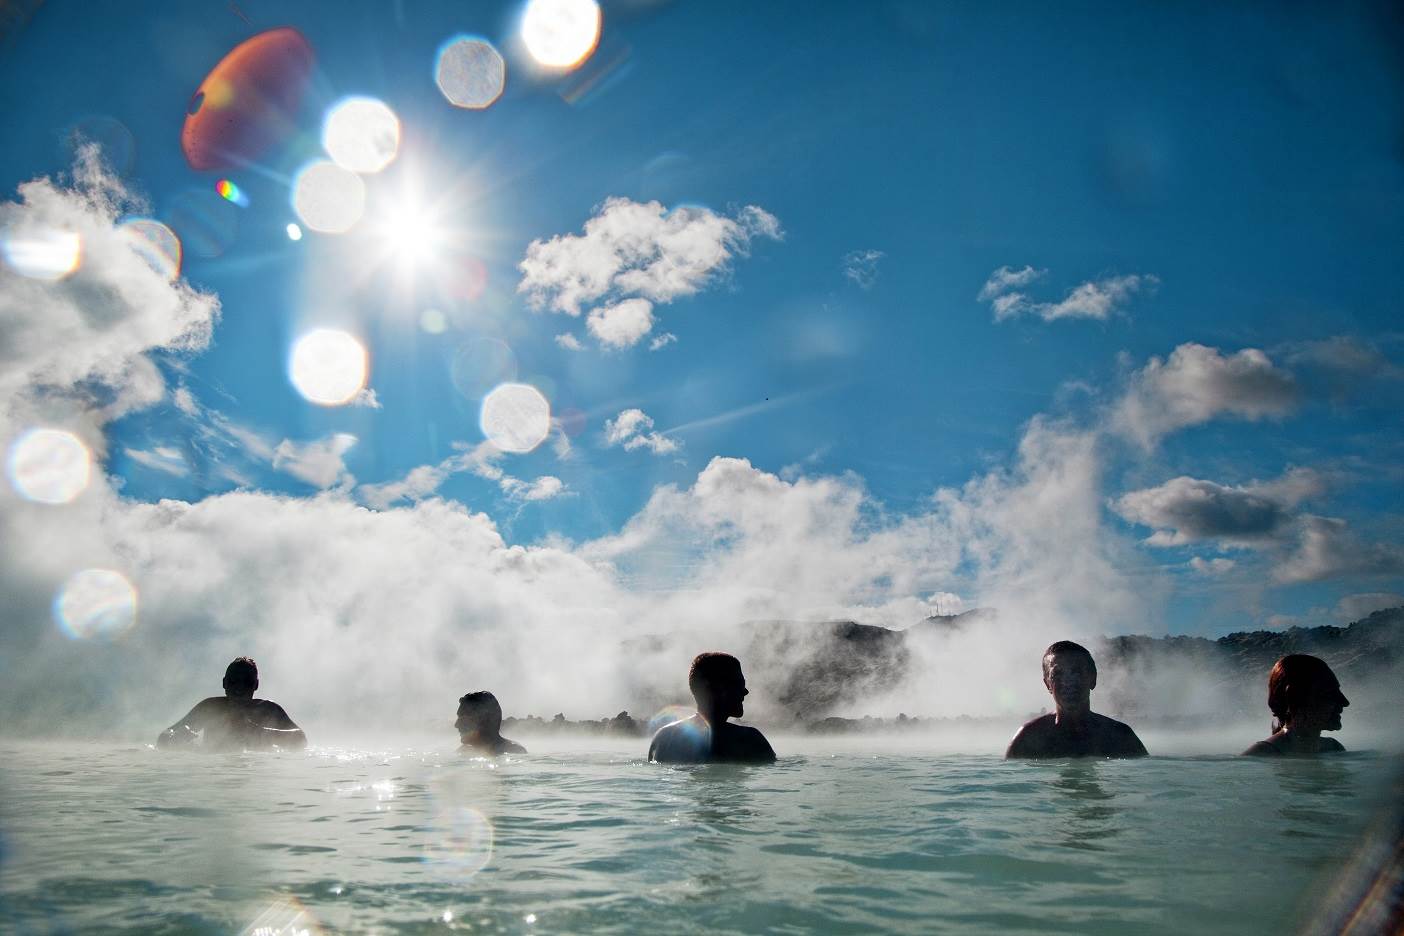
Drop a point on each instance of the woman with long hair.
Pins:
(1306, 700)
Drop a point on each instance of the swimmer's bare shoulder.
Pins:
(1117, 739)
(1032, 739)
(742, 743)
(679, 743)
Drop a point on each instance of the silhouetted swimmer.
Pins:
(1306, 700)
(479, 726)
(236, 720)
(719, 687)
(1073, 729)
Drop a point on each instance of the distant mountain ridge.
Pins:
(823, 666)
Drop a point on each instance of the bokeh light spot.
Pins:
(50, 466)
(96, 603)
(329, 198)
(230, 192)
(433, 321)
(463, 845)
(155, 243)
(43, 253)
(481, 364)
(470, 72)
(362, 134)
(516, 417)
(294, 232)
(206, 223)
(561, 33)
(328, 367)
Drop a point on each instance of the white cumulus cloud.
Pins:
(631, 429)
(1198, 383)
(623, 324)
(319, 463)
(637, 251)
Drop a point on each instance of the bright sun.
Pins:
(412, 237)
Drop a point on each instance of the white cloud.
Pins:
(662, 341)
(1189, 510)
(424, 481)
(623, 324)
(166, 460)
(85, 337)
(1006, 279)
(860, 267)
(1344, 356)
(1197, 384)
(365, 397)
(1096, 299)
(1354, 607)
(184, 401)
(1329, 550)
(318, 463)
(543, 488)
(638, 251)
(569, 342)
(1215, 566)
(631, 430)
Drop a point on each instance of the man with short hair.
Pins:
(1073, 729)
(719, 687)
(479, 726)
(236, 720)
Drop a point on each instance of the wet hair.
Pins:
(709, 667)
(241, 674)
(481, 702)
(1067, 646)
(1293, 679)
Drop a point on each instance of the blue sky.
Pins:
(1228, 183)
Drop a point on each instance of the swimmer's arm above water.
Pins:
(187, 730)
(279, 728)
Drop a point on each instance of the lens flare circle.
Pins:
(42, 254)
(328, 367)
(294, 232)
(481, 364)
(49, 466)
(470, 73)
(362, 134)
(515, 417)
(96, 603)
(463, 846)
(328, 197)
(155, 243)
(230, 192)
(561, 33)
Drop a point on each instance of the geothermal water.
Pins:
(590, 838)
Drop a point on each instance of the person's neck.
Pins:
(1302, 738)
(712, 717)
(1072, 716)
(480, 738)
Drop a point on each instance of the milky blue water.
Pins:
(113, 839)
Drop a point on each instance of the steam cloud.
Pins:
(381, 618)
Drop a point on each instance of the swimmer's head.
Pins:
(1069, 673)
(479, 715)
(1304, 694)
(718, 685)
(241, 678)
